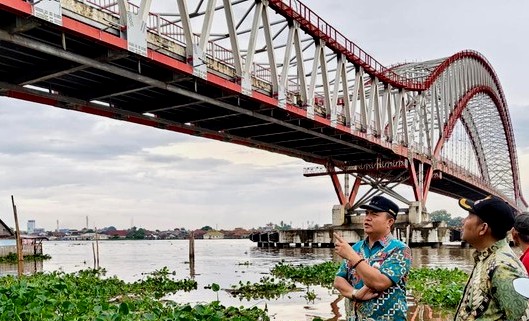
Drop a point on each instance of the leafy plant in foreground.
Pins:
(319, 274)
(87, 296)
(266, 288)
(437, 287)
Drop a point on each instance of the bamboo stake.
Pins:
(20, 254)
(192, 254)
(94, 253)
(97, 249)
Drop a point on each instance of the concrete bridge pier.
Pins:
(413, 225)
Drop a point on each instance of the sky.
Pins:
(63, 167)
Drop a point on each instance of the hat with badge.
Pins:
(492, 210)
(382, 204)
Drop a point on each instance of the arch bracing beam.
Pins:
(377, 183)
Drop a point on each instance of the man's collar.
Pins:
(483, 254)
(383, 241)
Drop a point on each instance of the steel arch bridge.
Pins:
(269, 74)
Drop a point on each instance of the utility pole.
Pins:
(20, 253)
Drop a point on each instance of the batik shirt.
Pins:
(393, 258)
(489, 293)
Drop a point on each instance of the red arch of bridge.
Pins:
(449, 127)
(312, 24)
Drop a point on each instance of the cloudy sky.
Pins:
(65, 166)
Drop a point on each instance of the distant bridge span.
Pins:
(273, 75)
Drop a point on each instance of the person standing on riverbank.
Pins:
(374, 271)
(520, 235)
(489, 293)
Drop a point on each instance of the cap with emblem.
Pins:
(382, 204)
(492, 210)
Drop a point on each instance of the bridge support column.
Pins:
(418, 215)
(414, 213)
(338, 215)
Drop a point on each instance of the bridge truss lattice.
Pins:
(286, 81)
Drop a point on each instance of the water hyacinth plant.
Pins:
(87, 296)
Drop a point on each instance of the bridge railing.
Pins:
(310, 20)
(169, 29)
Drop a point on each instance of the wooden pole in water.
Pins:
(94, 253)
(192, 254)
(20, 253)
(97, 249)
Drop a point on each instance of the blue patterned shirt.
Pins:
(393, 258)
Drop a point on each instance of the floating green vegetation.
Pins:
(439, 288)
(442, 288)
(13, 258)
(319, 274)
(310, 296)
(266, 288)
(158, 283)
(86, 295)
(287, 276)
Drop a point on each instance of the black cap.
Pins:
(521, 223)
(382, 204)
(492, 210)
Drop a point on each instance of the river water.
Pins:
(225, 262)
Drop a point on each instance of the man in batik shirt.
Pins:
(373, 274)
(489, 293)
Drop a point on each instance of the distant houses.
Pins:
(117, 234)
(5, 231)
(31, 245)
(111, 233)
(213, 235)
(236, 233)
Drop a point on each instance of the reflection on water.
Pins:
(30, 267)
(225, 262)
(445, 257)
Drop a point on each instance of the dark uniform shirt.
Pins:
(489, 294)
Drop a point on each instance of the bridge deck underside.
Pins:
(260, 125)
(238, 118)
